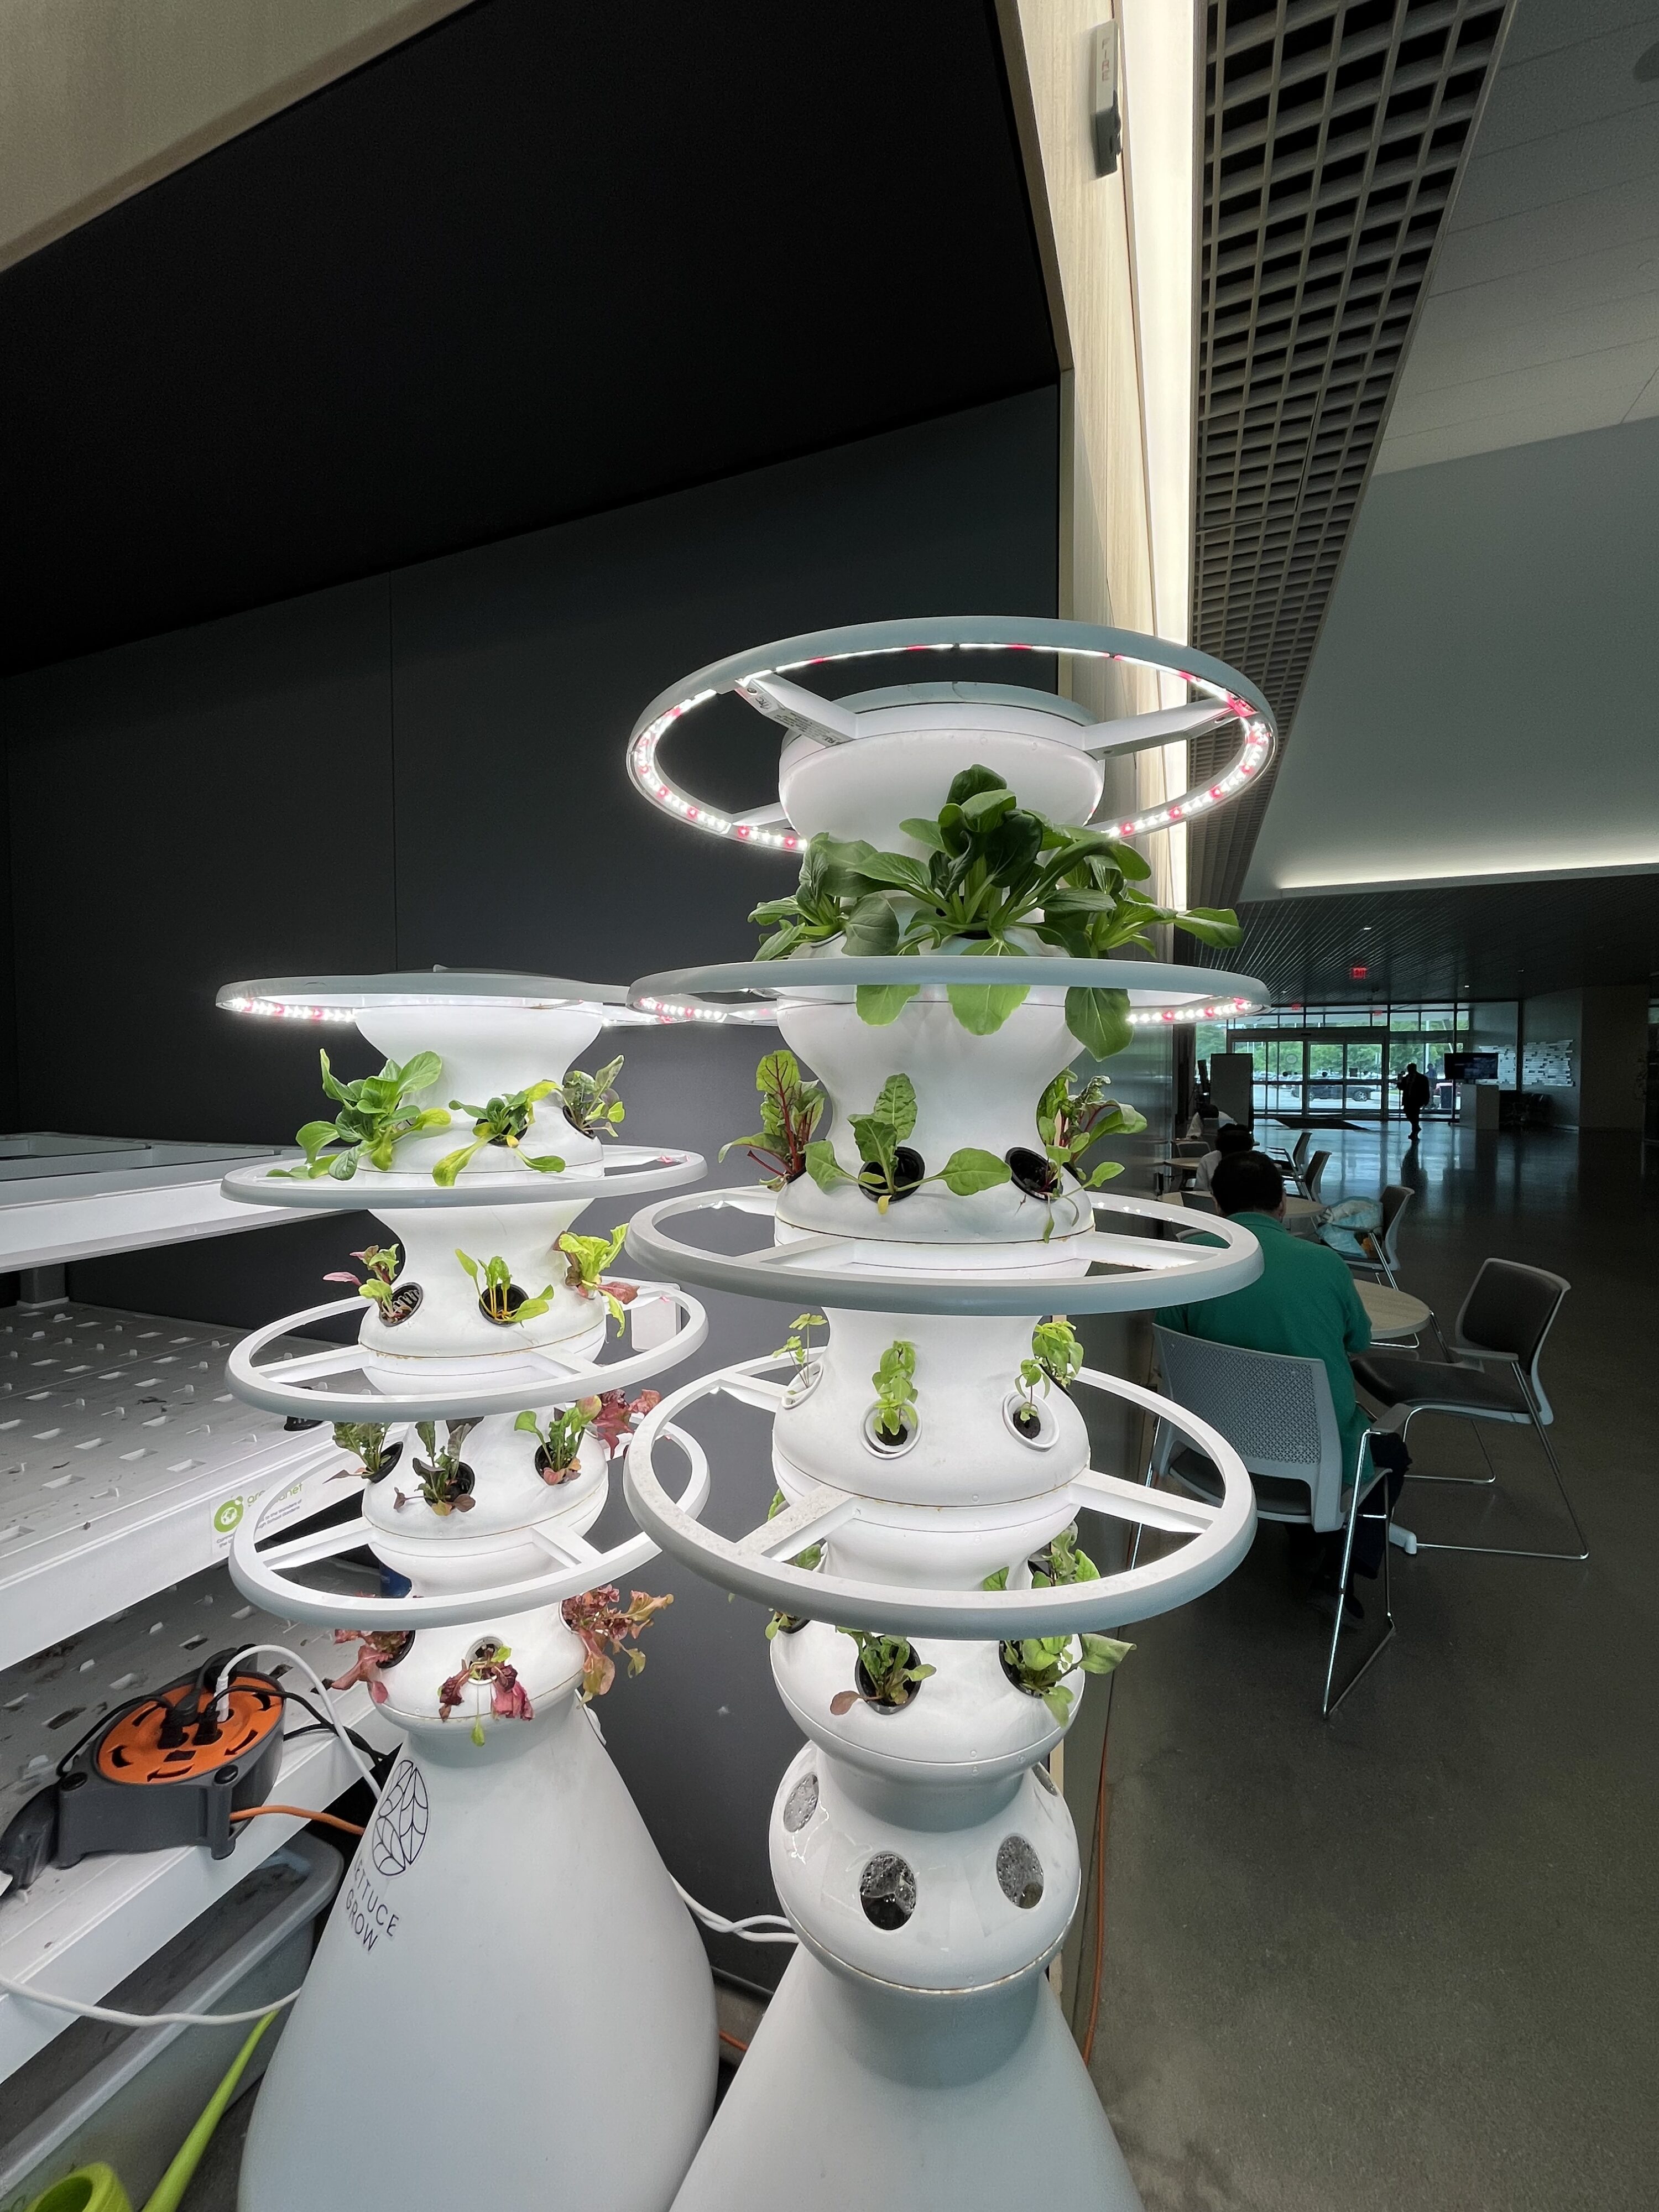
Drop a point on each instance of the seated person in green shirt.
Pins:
(1303, 1303)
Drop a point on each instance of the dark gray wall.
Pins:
(428, 767)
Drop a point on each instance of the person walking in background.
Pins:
(1414, 1093)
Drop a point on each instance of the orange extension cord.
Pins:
(301, 1813)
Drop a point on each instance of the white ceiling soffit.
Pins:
(1542, 318)
(99, 98)
(1336, 134)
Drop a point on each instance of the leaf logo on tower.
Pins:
(400, 1824)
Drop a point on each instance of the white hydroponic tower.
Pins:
(914, 2054)
(510, 2003)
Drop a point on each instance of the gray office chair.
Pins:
(1189, 1148)
(1502, 1322)
(1278, 1414)
(1381, 1245)
(1312, 1173)
(1291, 1161)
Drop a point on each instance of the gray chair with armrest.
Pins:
(1278, 1414)
(1502, 1324)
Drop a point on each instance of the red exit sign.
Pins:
(1358, 972)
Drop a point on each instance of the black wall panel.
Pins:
(428, 767)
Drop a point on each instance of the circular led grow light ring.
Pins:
(342, 998)
(950, 633)
(759, 1565)
(678, 993)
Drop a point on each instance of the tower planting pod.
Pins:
(510, 2003)
(936, 1211)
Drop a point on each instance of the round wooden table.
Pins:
(1393, 1314)
(1302, 1215)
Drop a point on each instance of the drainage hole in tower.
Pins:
(1019, 1873)
(801, 1803)
(887, 1891)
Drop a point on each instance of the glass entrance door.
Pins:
(1316, 1071)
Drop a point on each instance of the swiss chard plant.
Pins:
(894, 1378)
(889, 1664)
(791, 1110)
(586, 1258)
(785, 1624)
(1072, 1117)
(505, 1122)
(992, 870)
(888, 1167)
(509, 1699)
(367, 1440)
(608, 1633)
(498, 1295)
(374, 1113)
(380, 1266)
(591, 1104)
(445, 1480)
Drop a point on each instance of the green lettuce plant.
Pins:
(504, 1121)
(585, 1259)
(374, 1113)
(560, 1436)
(1056, 1356)
(790, 1110)
(889, 1169)
(492, 1279)
(591, 1104)
(993, 870)
(1039, 1665)
(894, 1379)
(366, 1440)
(892, 1668)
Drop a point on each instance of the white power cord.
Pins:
(83, 2011)
(755, 1928)
(144, 2019)
(298, 1659)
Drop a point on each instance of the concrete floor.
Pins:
(1407, 1957)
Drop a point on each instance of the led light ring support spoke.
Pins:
(1168, 994)
(538, 1377)
(946, 633)
(268, 1576)
(625, 1171)
(870, 1282)
(1221, 1536)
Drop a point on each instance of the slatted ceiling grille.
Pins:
(1502, 940)
(1335, 133)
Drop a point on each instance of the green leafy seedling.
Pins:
(492, 1279)
(374, 1113)
(894, 1379)
(892, 1667)
(591, 1104)
(585, 1259)
(560, 1436)
(993, 868)
(881, 1136)
(382, 1265)
(505, 1122)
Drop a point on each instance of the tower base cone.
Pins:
(854, 2093)
(510, 2005)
